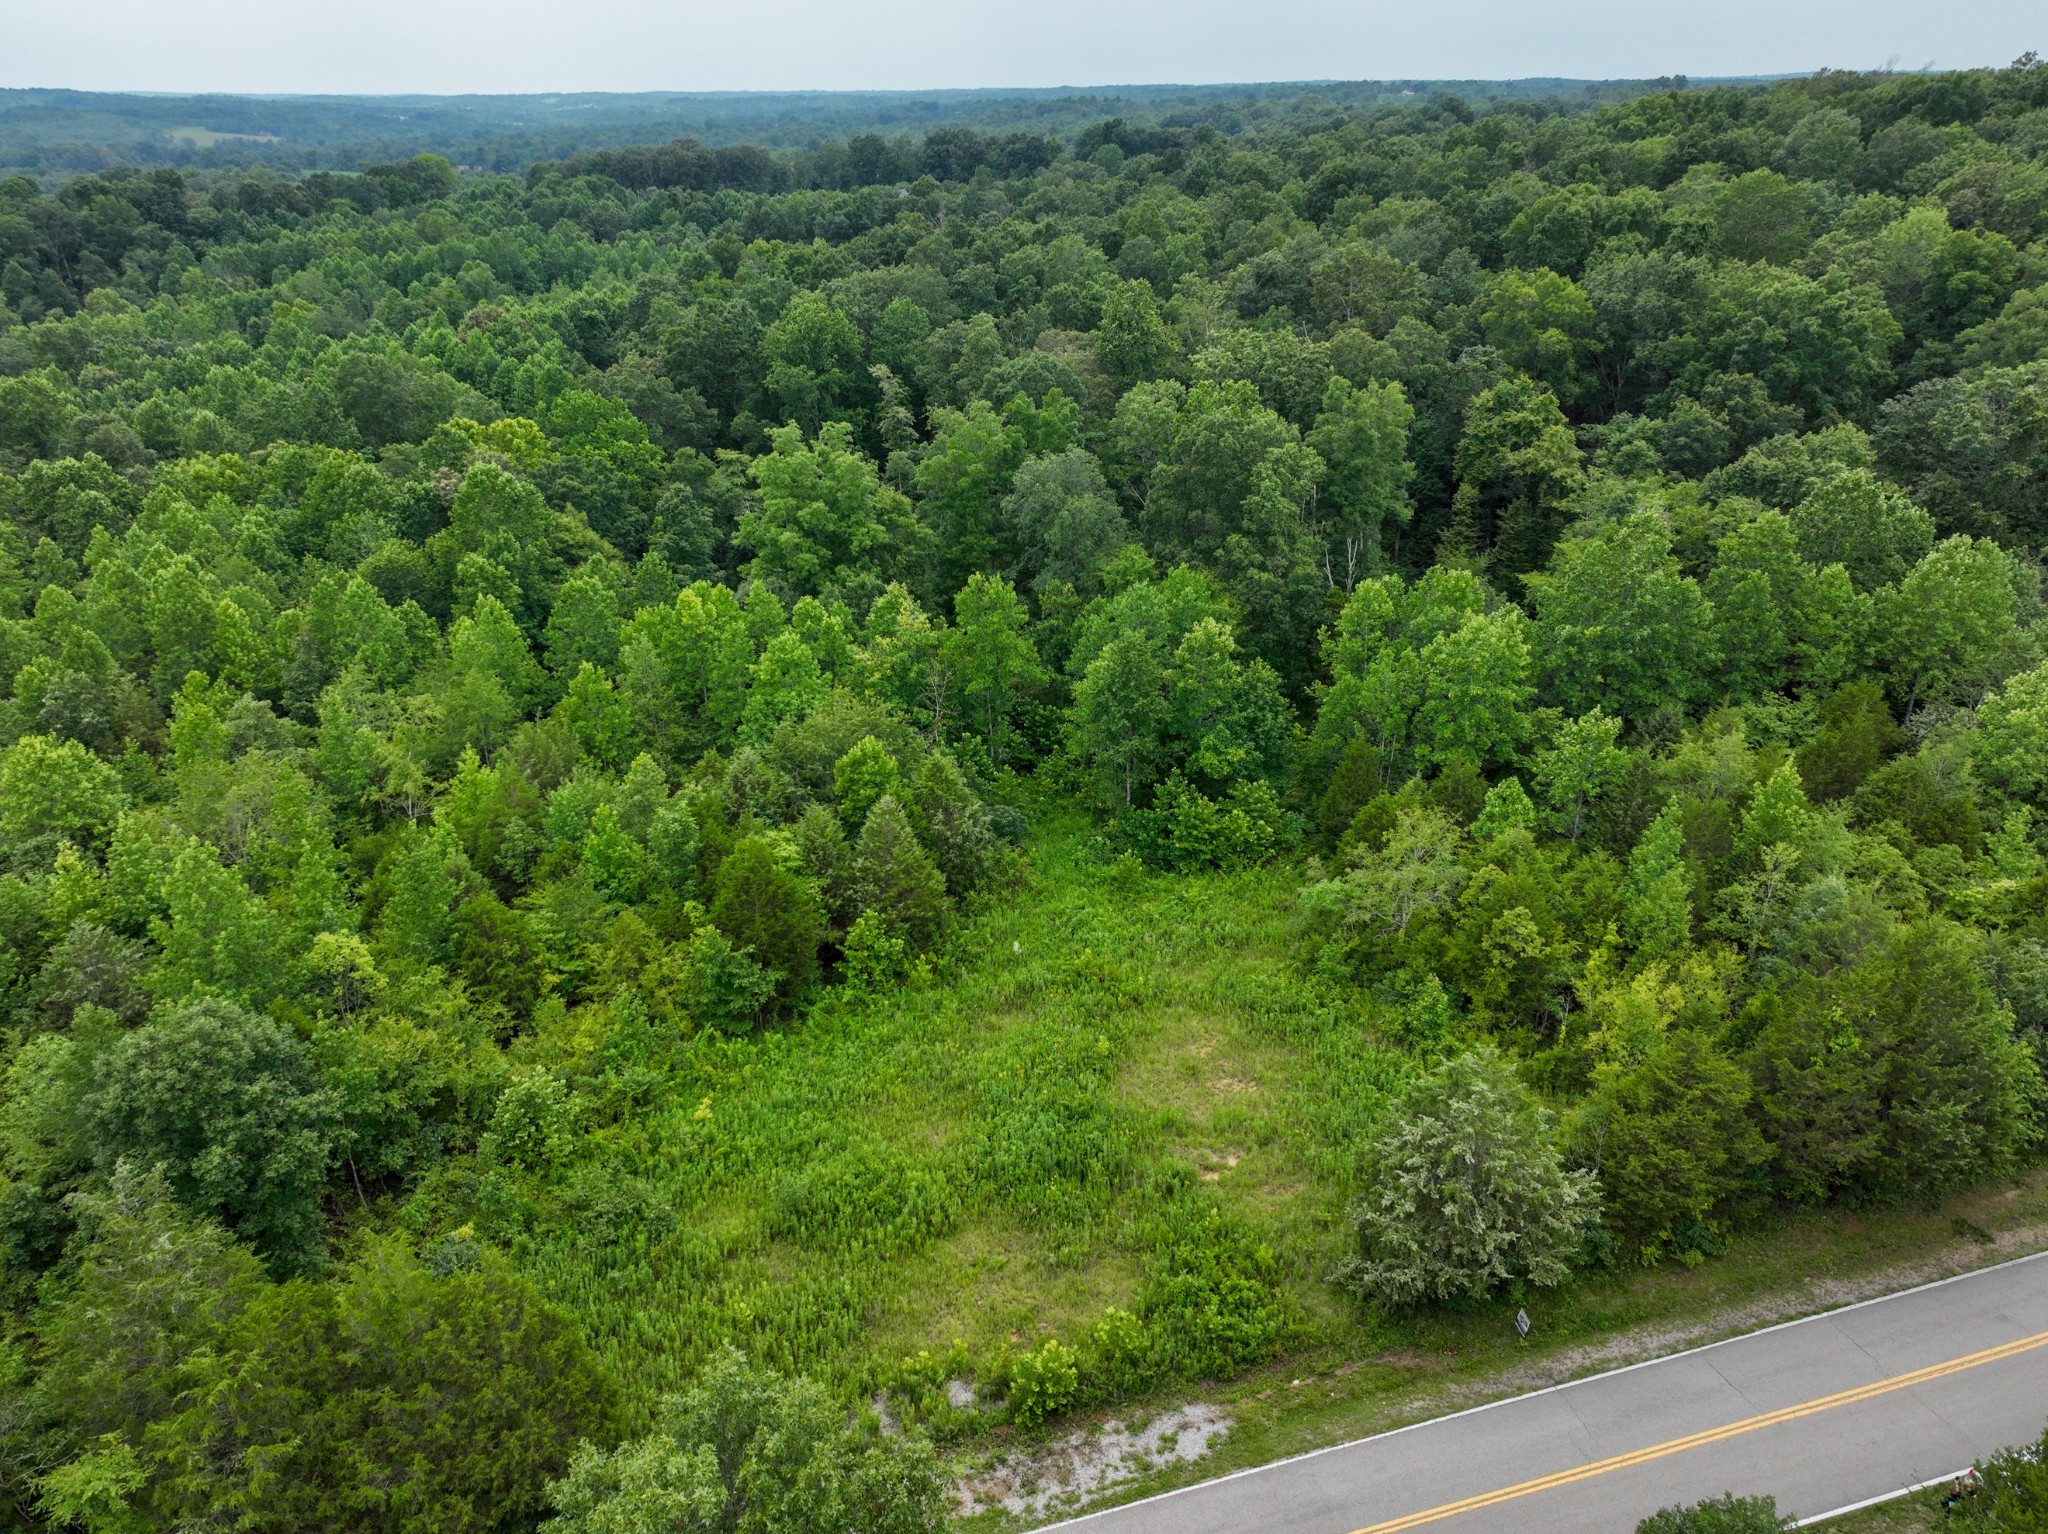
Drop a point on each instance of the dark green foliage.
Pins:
(396, 1399)
(1670, 1138)
(1897, 1078)
(1355, 784)
(154, 1286)
(1930, 795)
(765, 908)
(1725, 1514)
(230, 1106)
(1856, 735)
(745, 1448)
(894, 877)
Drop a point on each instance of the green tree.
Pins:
(1226, 721)
(1132, 343)
(1823, 345)
(1231, 488)
(1579, 766)
(154, 1285)
(486, 642)
(51, 791)
(1619, 625)
(597, 718)
(991, 657)
(1063, 521)
(953, 824)
(862, 776)
(1778, 623)
(764, 907)
(1543, 324)
(1362, 435)
(1857, 735)
(1468, 1191)
(1670, 1138)
(894, 876)
(721, 987)
(1656, 909)
(824, 523)
(1119, 710)
(215, 935)
(1475, 690)
(617, 863)
(398, 1398)
(1507, 808)
(500, 519)
(424, 887)
(814, 363)
(1517, 469)
(745, 1451)
(583, 623)
(1853, 519)
(1950, 630)
(964, 475)
(230, 1106)
(1760, 216)
(2011, 744)
(1418, 868)
(784, 684)
(1895, 1078)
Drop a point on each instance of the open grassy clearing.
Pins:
(837, 1199)
(842, 1195)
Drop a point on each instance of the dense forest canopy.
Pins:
(523, 692)
(62, 133)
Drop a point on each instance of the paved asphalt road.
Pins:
(1821, 1413)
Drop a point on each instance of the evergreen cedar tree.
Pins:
(490, 663)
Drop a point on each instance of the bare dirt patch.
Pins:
(1063, 1475)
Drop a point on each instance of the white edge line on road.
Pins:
(1890, 1496)
(1530, 1395)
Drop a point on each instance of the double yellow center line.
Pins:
(1710, 1436)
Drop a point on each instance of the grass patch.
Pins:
(1919, 1513)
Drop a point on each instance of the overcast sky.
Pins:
(454, 46)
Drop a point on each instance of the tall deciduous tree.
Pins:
(1517, 468)
(991, 657)
(1362, 435)
(824, 522)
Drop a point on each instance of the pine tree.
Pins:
(764, 907)
(895, 877)
(953, 824)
